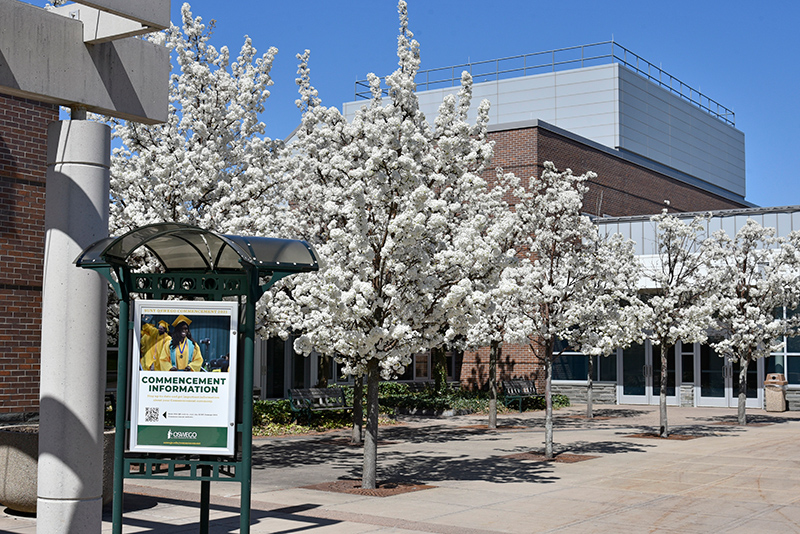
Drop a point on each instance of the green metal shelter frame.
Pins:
(195, 263)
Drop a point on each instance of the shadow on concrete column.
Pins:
(73, 363)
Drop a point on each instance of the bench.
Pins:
(519, 390)
(308, 401)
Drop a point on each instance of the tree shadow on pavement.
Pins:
(302, 452)
(752, 419)
(335, 448)
(603, 447)
(299, 517)
(416, 468)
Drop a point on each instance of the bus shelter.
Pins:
(225, 272)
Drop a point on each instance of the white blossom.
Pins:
(756, 275)
(206, 165)
(567, 277)
(682, 303)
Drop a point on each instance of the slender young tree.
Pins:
(615, 316)
(486, 316)
(681, 307)
(386, 200)
(756, 273)
(552, 285)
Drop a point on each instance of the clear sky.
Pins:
(742, 54)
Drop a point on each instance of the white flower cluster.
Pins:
(207, 164)
(571, 284)
(400, 214)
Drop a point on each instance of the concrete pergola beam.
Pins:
(100, 26)
(43, 57)
(151, 13)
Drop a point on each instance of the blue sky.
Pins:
(741, 54)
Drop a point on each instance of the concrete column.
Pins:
(73, 364)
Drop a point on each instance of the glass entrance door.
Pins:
(719, 380)
(639, 375)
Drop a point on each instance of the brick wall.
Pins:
(23, 153)
(621, 188)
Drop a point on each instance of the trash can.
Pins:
(775, 393)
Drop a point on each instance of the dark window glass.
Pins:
(793, 344)
(774, 364)
(608, 368)
(687, 368)
(275, 368)
(793, 369)
(570, 367)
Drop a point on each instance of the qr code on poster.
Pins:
(150, 415)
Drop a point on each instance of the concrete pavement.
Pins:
(726, 477)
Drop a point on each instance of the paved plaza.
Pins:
(724, 478)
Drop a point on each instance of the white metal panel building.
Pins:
(697, 376)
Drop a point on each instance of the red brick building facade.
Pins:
(23, 165)
(622, 187)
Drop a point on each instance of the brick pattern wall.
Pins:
(516, 361)
(621, 188)
(23, 162)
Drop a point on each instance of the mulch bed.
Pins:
(384, 489)
(345, 442)
(736, 423)
(562, 458)
(499, 427)
(654, 435)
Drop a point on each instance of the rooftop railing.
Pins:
(561, 59)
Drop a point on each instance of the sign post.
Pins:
(183, 409)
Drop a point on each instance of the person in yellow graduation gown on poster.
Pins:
(153, 341)
(181, 353)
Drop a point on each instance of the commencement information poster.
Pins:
(183, 391)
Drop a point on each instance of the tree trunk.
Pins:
(358, 410)
(494, 355)
(589, 414)
(370, 470)
(664, 427)
(439, 357)
(743, 390)
(548, 421)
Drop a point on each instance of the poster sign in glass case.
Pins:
(183, 377)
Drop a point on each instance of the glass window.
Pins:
(775, 364)
(275, 366)
(608, 368)
(793, 369)
(787, 361)
(421, 367)
(687, 363)
(575, 366)
(570, 367)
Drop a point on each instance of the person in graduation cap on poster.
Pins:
(181, 353)
(153, 340)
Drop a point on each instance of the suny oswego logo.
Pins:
(173, 434)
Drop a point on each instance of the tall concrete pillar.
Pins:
(73, 364)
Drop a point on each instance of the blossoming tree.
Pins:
(387, 201)
(486, 317)
(206, 164)
(682, 305)
(615, 316)
(756, 273)
(563, 263)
